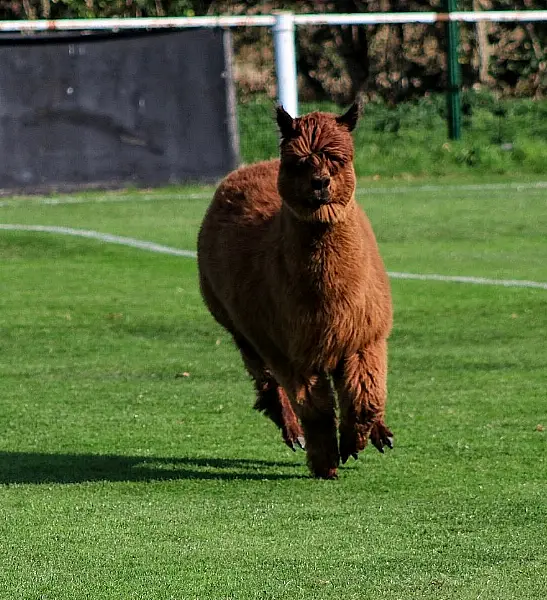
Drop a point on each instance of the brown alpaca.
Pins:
(289, 265)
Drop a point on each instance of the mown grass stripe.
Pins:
(360, 191)
(161, 249)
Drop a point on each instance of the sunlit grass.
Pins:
(133, 467)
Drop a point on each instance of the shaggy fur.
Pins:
(289, 265)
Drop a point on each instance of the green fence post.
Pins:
(453, 91)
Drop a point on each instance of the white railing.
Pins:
(283, 27)
(269, 20)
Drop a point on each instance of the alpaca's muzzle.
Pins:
(320, 183)
(320, 197)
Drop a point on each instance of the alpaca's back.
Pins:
(232, 242)
(247, 194)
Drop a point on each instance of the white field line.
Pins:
(140, 197)
(159, 248)
(360, 191)
(470, 187)
(464, 279)
(103, 237)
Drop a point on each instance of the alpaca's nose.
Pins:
(320, 183)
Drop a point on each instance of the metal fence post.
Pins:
(285, 62)
(453, 91)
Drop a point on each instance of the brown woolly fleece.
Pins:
(289, 265)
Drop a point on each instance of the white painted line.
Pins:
(139, 197)
(103, 237)
(477, 187)
(159, 248)
(464, 279)
(144, 197)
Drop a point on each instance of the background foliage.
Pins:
(408, 140)
(394, 62)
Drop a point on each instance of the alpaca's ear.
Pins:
(349, 119)
(285, 123)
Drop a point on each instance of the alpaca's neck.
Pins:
(308, 233)
(322, 251)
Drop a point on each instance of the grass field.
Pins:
(133, 467)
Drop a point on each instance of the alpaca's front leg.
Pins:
(361, 382)
(315, 405)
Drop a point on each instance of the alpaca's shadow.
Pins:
(36, 467)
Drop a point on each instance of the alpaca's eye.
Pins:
(334, 161)
(299, 165)
(336, 165)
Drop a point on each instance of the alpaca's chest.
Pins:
(316, 309)
(319, 334)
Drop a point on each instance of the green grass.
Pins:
(123, 478)
(411, 139)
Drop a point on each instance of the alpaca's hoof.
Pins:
(293, 436)
(295, 443)
(326, 473)
(351, 443)
(299, 442)
(381, 436)
(290, 445)
(345, 454)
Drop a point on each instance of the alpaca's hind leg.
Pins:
(316, 406)
(361, 382)
(271, 398)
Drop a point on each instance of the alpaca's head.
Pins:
(316, 176)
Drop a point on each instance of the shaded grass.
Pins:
(132, 465)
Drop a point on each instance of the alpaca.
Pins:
(289, 265)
